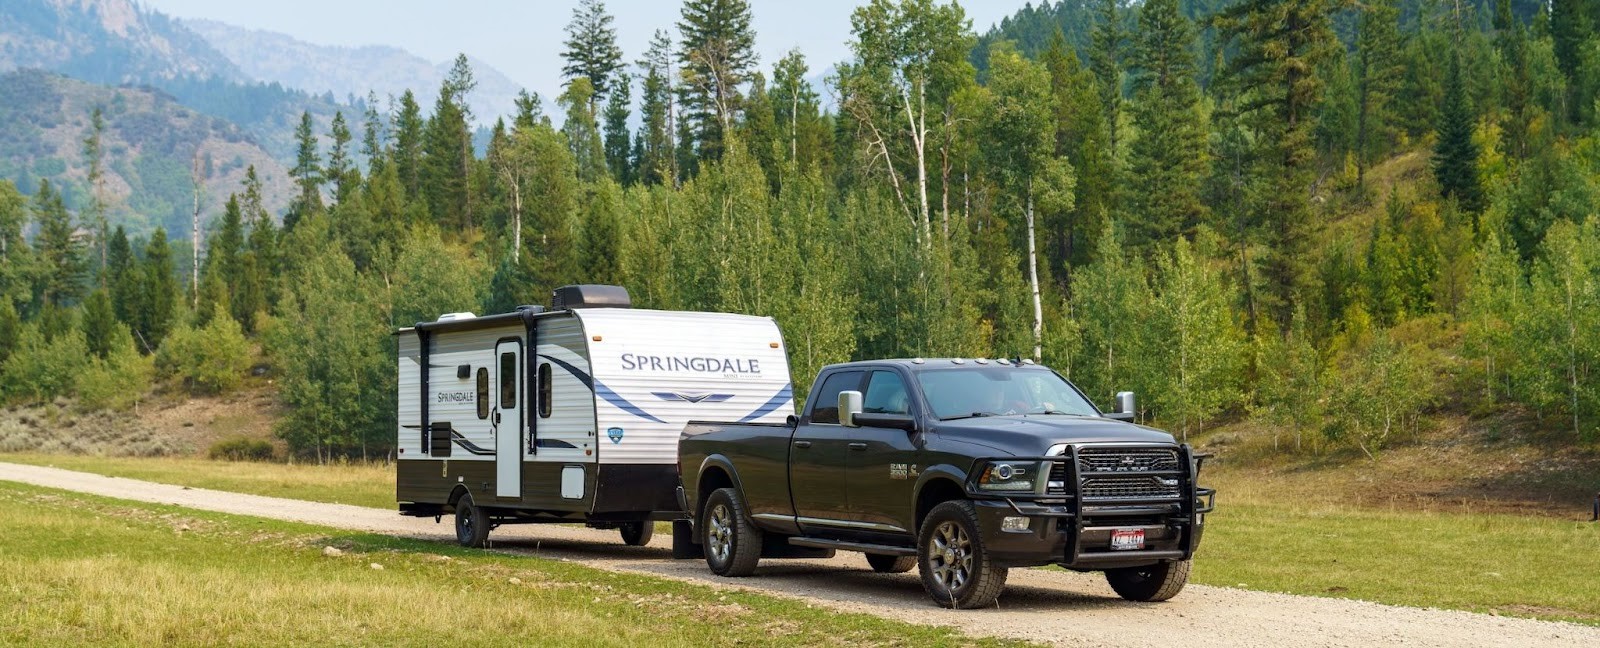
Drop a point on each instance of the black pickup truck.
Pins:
(961, 468)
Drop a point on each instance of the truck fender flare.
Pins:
(713, 461)
(942, 471)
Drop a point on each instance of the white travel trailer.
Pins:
(572, 414)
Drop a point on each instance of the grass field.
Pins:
(83, 570)
(1266, 535)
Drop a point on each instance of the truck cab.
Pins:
(962, 467)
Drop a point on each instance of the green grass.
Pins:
(83, 570)
(1508, 564)
(359, 484)
(1265, 535)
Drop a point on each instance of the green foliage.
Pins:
(241, 449)
(1455, 157)
(60, 254)
(717, 55)
(1168, 156)
(1196, 346)
(1379, 387)
(1291, 389)
(119, 381)
(156, 301)
(101, 329)
(10, 330)
(40, 370)
(591, 51)
(208, 360)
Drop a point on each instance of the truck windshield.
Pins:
(1000, 391)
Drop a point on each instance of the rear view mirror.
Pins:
(1123, 408)
(849, 407)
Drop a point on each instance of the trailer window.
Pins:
(508, 380)
(483, 392)
(544, 390)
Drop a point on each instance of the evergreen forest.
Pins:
(1335, 219)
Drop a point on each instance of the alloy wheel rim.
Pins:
(951, 556)
(720, 533)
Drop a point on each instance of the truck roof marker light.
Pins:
(917, 361)
(982, 361)
(957, 361)
(1003, 361)
(1027, 361)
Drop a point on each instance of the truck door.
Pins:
(882, 463)
(507, 419)
(818, 455)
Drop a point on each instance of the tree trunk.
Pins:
(1033, 283)
(194, 237)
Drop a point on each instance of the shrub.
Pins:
(241, 449)
(118, 382)
(209, 360)
(39, 371)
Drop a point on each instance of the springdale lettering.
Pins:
(631, 362)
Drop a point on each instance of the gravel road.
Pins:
(1048, 606)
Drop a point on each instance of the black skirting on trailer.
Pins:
(611, 491)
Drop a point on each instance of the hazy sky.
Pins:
(523, 38)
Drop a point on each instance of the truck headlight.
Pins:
(1003, 476)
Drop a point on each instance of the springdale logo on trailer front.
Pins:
(726, 366)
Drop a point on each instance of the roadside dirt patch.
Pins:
(166, 425)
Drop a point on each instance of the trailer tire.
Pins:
(1150, 583)
(957, 570)
(733, 545)
(637, 533)
(472, 525)
(887, 564)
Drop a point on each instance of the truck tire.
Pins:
(638, 533)
(472, 525)
(733, 545)
(886, 564)
(955, 564)
(1157, 582)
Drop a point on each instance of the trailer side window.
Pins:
(508, 380)
(544, 390)
(482, 396)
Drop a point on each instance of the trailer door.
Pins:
(508, 419)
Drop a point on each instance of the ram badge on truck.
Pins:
(961, 468)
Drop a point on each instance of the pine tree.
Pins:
(1169, 155)
(58, 248)
(100, 326)
(616, 130)
(1109, 41)
(797, 113)
(374, 136)
(307, 174)
(224, 257)
(408, 133)
(1081, 137)
(341, 169)
(121, 275)
(759, 131)
(444, 175)
(1281, 43)
(1377, 72)
(94, 155)
(717, 53)
(592, 51)
(656, 162)
(1455, 156)
(10, 330)
(530, 110)
(159, 292)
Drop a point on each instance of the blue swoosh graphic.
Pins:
(601, 390)
(783, 396)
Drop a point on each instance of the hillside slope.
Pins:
(271, 57)
(150, 142)
(104, 41)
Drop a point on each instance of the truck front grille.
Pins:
(1126, 459)
(1114, 473)
(1130, 487)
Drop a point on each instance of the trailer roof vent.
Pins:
(456, 317)
(590, 296)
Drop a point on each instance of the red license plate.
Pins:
(1127, 539)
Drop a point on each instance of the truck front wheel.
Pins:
(733, 545)
(953, 560)
(1157, 582)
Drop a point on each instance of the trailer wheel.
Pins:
(887, 564)
(955, 564)
(733, 545)
(637, 534)
(1157, 582)
(472, 526)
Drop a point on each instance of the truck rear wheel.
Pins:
(955, 565)
(1157, 582)
(472, 526)
(886, 564)
(637, 534)
(733, 545)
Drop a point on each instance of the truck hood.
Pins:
(1033, 435)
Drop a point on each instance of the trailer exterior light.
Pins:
(595, 338)
(773, 345)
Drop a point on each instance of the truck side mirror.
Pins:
(849, 407)
(1124, 407)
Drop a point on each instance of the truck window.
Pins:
(886, 394)
(825, 403)
(482, 397)
(508, 380)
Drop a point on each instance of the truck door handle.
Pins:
(802, 444)
(858, 446)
